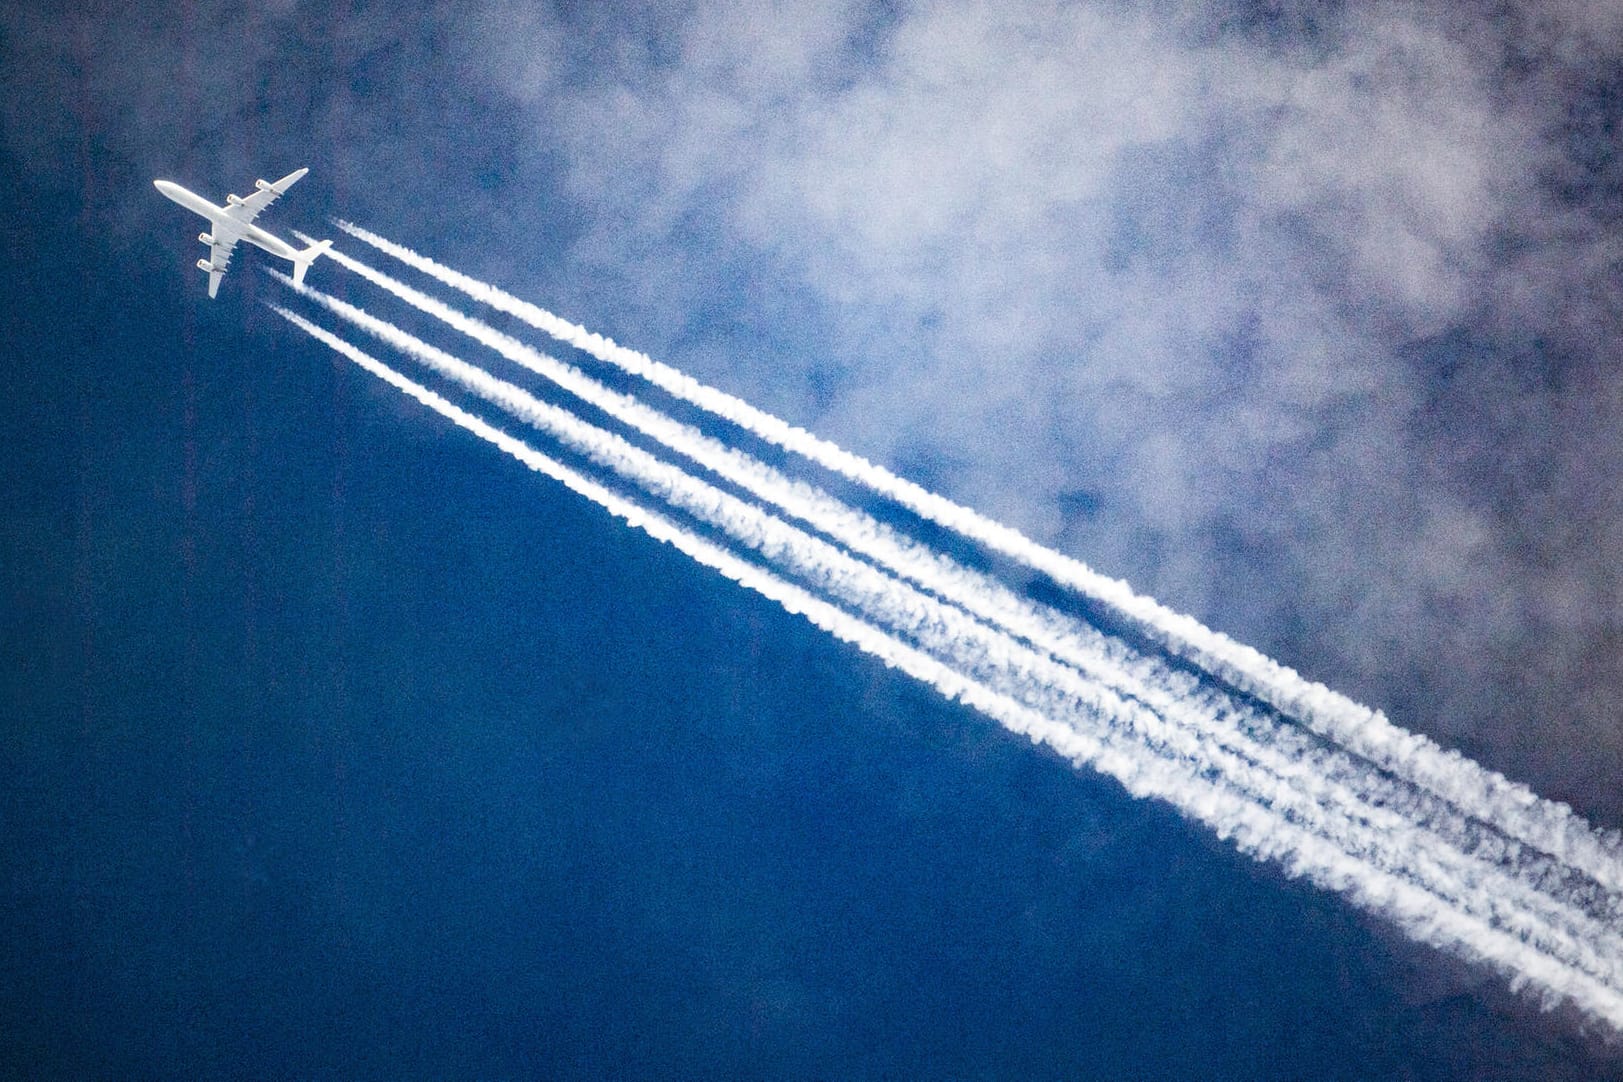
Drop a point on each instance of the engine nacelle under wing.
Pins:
(205, 265)
(234, 199)
(206, 238)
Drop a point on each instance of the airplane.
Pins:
(235, 221)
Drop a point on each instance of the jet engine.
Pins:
(206, 238)
(205, 265)
(263, 185)
(234, 200)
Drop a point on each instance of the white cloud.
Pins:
(1174, 296)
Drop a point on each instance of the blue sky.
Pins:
(330, 722)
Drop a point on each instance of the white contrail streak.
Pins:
(1344, 787)
(1389, 840)
(1255, 829)
(1510, 807)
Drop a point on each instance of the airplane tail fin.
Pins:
(302, 260)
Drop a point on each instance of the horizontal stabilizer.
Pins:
(302, 261)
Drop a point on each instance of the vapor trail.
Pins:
(1255, 829)
(1512, 808)
(1371, 834)
(1345, 787)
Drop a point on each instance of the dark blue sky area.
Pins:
(336, 744)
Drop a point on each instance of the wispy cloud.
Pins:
(1303, 322)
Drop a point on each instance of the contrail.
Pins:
(1256, 829)
(1512, 808)
(1344, 786)
(1390, 840)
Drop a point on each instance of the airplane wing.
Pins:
(247, 208)
(219, 261)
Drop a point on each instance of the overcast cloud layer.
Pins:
(1305, 322)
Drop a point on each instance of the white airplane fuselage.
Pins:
(225, 228)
